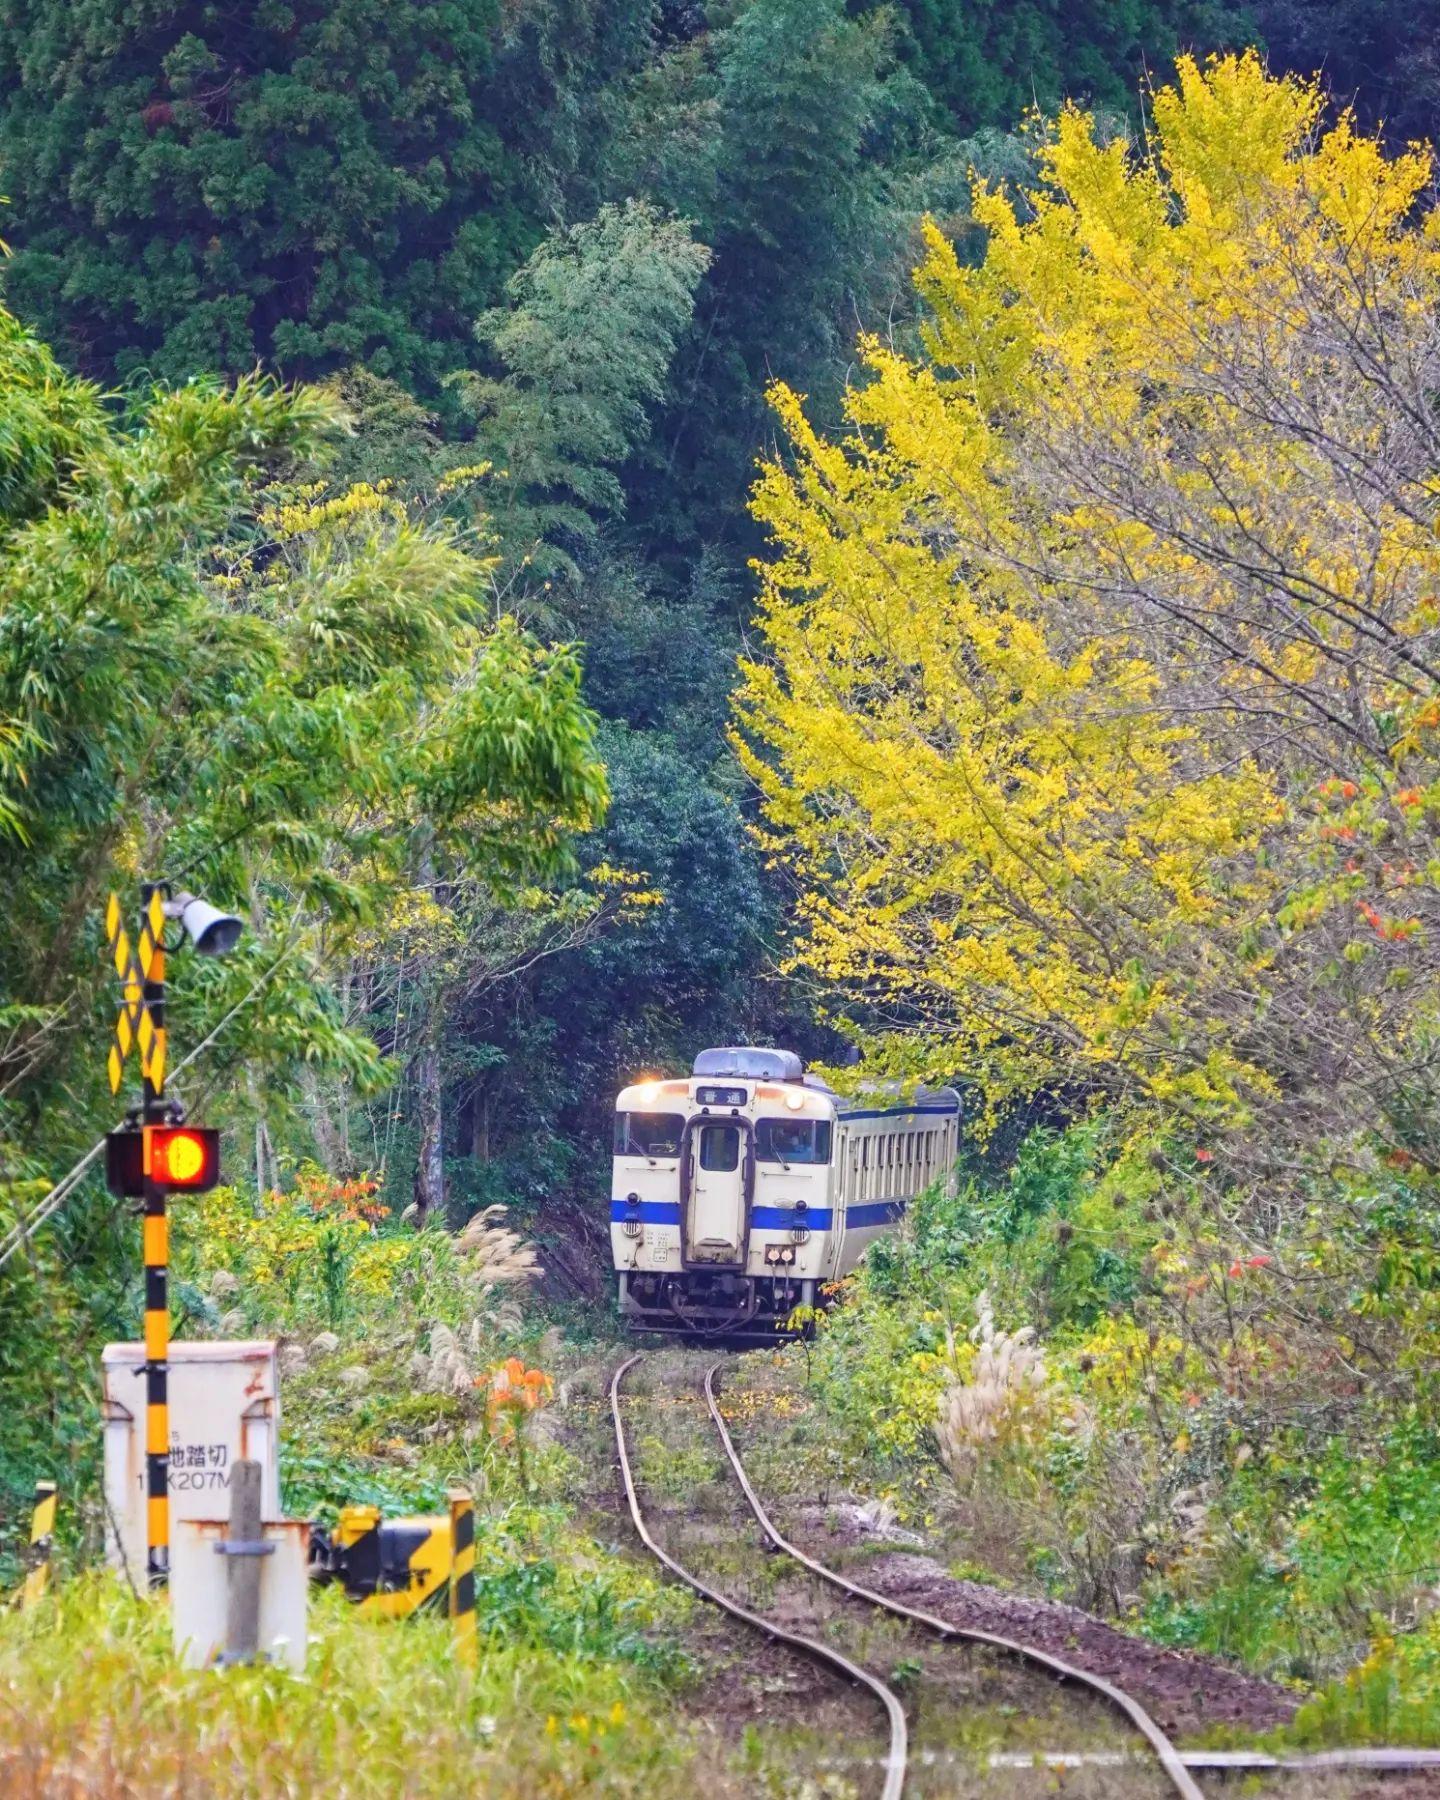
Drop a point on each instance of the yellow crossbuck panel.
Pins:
(134, 1024)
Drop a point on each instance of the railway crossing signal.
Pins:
(160, 1157)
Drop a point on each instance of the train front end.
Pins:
(720, 1208)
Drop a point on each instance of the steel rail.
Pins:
(898, 1754)
(1169, 1757)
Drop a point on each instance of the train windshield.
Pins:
(648, 1134)
(792, 1140)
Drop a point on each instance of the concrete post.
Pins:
(245, 1554)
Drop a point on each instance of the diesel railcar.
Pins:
(740, 1190)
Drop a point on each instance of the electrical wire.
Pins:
(21, 1232)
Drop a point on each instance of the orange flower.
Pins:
(515, 1391)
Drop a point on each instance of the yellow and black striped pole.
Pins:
(42, 1535)
(156, 1227)
(462, 1574)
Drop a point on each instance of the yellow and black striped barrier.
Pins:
(462, 1574)
(394, 1567)
(42, 1537)
(403, 1567)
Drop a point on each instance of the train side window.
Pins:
(648, 1134)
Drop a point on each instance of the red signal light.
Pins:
(185, 1157)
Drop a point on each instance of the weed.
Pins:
(92, 1704)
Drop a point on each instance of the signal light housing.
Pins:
(183, 1158)
(125, 1163)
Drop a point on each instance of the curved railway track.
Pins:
(1167, 1758)
(899, 1750)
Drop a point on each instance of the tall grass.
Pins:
(92, 1707)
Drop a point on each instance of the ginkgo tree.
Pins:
(1098, 705)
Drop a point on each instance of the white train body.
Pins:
(738, 1192)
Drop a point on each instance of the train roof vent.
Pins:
(750, 1063)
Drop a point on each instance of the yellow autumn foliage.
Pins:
(1064, 630)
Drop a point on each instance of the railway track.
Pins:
(895, 1763)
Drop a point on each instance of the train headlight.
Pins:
(649, 1092)
(794, 1101)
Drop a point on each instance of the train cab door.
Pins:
(719, 1171)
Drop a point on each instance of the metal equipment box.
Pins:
(224, 1405)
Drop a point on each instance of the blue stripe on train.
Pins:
(895, 1112)
(764, 1218)
(649, 1212)
(878, 1212)
(781, 1218)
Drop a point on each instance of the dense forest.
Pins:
(545, 262)
(572, 243)
(414, 415)
(569, 245)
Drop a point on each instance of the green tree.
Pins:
(988, 61)
(301, 696)
(558, 91)
(774, 133)
(195, 187)
(683, 975)
(586, 346)
(294, 697)
(1381, 58)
